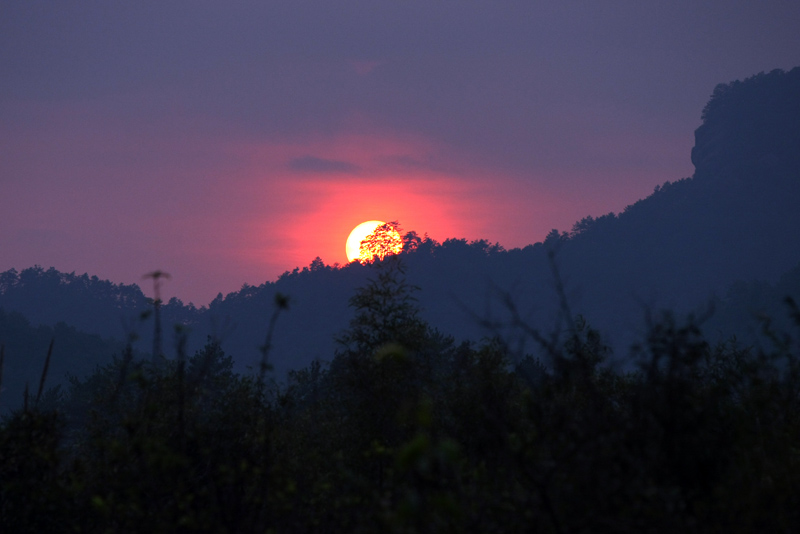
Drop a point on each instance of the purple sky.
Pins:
(228, 142)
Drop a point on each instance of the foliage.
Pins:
(385, 312)
(384, 241)
(406, 431)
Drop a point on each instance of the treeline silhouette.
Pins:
(408, 431)
(541, 388)
(681, 248)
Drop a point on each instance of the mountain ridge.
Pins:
(680, 248)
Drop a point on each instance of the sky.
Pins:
(228, 142)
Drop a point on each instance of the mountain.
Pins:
(735, 221)
(25, 355)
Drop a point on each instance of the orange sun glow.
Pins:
(361, 232)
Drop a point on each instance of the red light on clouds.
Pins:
(316, 192)
(217, 211)
(350, 203)
(304, 198)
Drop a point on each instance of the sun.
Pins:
(357, 235)
(360, 232)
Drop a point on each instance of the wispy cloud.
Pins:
(311, 164)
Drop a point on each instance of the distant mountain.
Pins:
(734, 223)
(25, 348)
(737, 218)
(750, 307)
(750, 131)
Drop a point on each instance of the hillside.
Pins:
(25, 348)
(735, 219)
(678, 249)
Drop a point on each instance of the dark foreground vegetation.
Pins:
(405, 431)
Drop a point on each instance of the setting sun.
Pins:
(361, 232)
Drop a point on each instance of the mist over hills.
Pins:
(727, 234)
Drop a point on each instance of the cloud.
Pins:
(311, 164)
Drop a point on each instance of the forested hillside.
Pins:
(735, 221)
(407, 431)
(25, 354)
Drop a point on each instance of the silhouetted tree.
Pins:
(383, 241)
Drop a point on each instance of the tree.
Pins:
(383, 241)
(386, 312)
